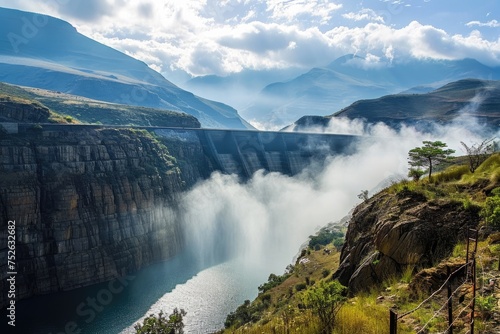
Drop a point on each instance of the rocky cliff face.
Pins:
(89, 205)
(390, 232)
(16, 111)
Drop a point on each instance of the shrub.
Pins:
(325, 300)
(491, 211)
(272, 281)
(338, 243)
(415, 174)
(300, 286)
(266, 299)
(159, 324)
(325, 273)
(246, 313)
(324, 237)
(303, 253)
(240, 316)
(486, 304)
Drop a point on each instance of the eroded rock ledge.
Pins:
(390, 232)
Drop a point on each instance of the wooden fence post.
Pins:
(473, 293)
(393, 321)
(450, 304)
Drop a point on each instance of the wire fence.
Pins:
(467, 284)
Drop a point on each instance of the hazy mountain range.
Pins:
(326, 90)
(465, 101)
(44, 52)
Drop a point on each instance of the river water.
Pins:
(207, 293)
(258, 226)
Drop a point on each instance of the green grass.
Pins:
(368, 312)
(68, 109)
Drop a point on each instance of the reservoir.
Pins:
(207, 293)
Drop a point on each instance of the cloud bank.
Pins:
(221, 37)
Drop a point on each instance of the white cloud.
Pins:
(221, 37)
(492, 24)
(90, 10)
(365, 14)
(290, 10)
(414, 40)
(208, 48)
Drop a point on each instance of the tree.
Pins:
(326, 300)
(478, 153)
(429, 155)
(363, 195)
(161, 325)
(415, 173)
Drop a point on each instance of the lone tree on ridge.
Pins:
(429, 155)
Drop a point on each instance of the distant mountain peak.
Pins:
(325, 90)
(45, 52)
(344, 60)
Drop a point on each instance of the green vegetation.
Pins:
(415, 173)
(71, 109)
(272, 281)
(325, 300)
(290, 303)
(21, 96)
(429, 155)
(95, 112)
(325, 237)
(161, 325)
(491, 209)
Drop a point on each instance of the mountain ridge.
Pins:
(473, 98)
(324, 90)
(45, 52)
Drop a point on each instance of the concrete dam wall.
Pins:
(245, 152)
(91, 203)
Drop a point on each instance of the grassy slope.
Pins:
(66, 108)
(444, 104)
(22, 96)
(369, 312)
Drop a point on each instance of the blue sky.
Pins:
(225, 36)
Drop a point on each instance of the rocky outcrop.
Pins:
(88, 206)
(18, 111)
(390, 232)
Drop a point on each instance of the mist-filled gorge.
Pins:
(243, 231)
(180, 154)
(235, 232)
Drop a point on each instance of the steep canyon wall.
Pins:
(94, 203)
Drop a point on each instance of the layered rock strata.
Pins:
(88, 206)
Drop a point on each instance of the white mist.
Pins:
(258, 226)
